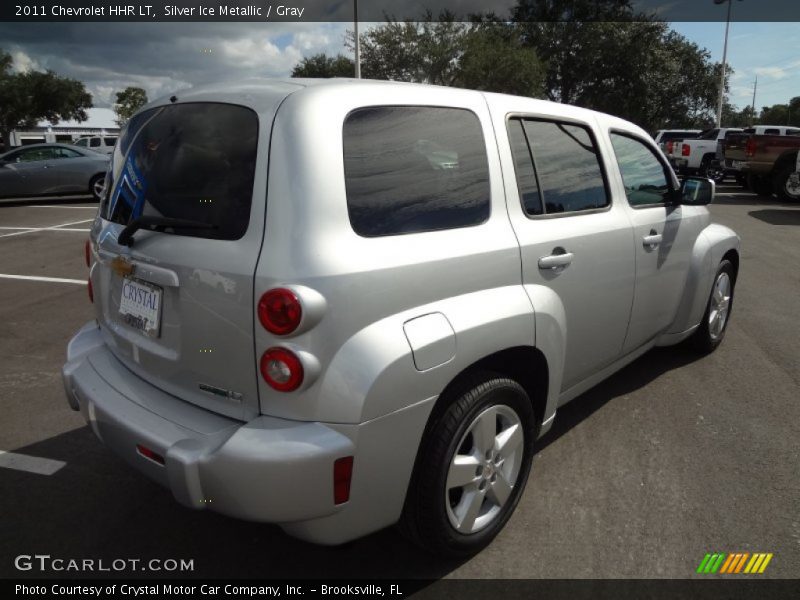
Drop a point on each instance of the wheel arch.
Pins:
(787, 159)
(527, 365)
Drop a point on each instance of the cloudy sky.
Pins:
(164, 57)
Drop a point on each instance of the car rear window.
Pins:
(413, 169)
(193, 161)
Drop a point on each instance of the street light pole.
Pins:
(724, 60)
(358, 42)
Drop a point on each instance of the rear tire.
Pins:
(472, 465)
(711, 171)
(787, 187)
(97, 187)
(718, 310)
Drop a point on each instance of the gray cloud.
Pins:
(164, 57)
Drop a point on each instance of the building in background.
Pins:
(101, 122)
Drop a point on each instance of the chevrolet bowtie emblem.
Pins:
(122, 266)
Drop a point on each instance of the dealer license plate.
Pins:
(140, 306)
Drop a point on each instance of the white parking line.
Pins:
(35, 229)
(31, 464)
(40, 229)
(58, 206)
(37, 278)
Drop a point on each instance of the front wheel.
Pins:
(471, 468)
(97, 186)
(718, 310)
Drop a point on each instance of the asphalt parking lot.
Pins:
(671, 458)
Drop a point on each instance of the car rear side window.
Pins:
(413, 169)
(523, 166)
(567, 164)
(193, 161)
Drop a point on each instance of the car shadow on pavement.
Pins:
(636, 375)
(98, 507)
(778, 217)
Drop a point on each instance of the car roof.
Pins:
(49, 145)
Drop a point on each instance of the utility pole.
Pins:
(753, 113)
(358, 41)
(724, 60)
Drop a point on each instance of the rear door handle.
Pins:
(652, 240)
(556, 261)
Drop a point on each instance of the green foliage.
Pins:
(781, 114)
(321, 65)
(33, 96)
(128, 102)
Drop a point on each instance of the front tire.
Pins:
(718, 310)
(97, 187)
(472, 466)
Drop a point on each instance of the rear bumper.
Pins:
(269, 469)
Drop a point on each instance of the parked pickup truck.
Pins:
(767, 161)
(440, 270)
(734, 148)
(697, 156)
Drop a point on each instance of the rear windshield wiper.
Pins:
(158, 224)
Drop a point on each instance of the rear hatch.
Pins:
(176, 305)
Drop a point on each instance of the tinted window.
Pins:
(84, 142)
(192, 161)
(711, 134)
(678, 135)
(523, 165)
(94, 142)
(643, 174)
(772, 132)
(413, 169)
(793, 132)
(34, 154)
(109, 141)
(568, 167)
(65, 153)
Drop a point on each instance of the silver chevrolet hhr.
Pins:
(339, 305)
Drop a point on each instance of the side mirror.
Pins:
(697, 191)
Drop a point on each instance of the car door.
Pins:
(29, 166)
(664, 234)
(71, 171)
(11, 180)
(576, 245)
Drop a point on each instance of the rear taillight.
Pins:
(90, 290)
(281, 369)
(148, 453)
(87, 252)
(342, 475)
(686, 150)
(750, 147)
(670, 145)
(280, 311)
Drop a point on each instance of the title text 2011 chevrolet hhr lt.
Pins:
(339, 305)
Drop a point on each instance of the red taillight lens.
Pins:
(281, 369)
(685, 150)
(342, 475)
(90, 290)
(279, 311)
(750, 147)
(670, 145)
(147, 453)
(87, 252)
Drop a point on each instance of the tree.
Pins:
(128, 102)
(33, 96)
(321, 65)
(781, 114)
(602, 55)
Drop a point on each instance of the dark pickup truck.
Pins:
(767, 161)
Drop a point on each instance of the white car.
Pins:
(99, 143)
